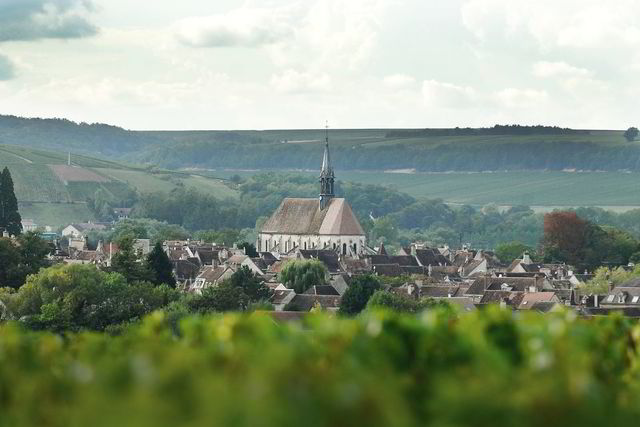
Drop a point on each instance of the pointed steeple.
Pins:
(326, 175)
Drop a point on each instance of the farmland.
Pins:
(53, 193)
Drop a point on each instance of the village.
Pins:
(327, 231)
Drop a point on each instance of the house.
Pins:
(122, 213)
(185, 271)
(324, 223)
(210, 277)
(29, 225)
(80, 230)
(624, 295)
(529, 300)
(305, 302)
(280, 298)
(481, 285)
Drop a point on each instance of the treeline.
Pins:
(62, 134)
(492, 131)
(485, 156)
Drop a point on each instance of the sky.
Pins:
(273, 64)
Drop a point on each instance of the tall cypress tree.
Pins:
(159, 264)
(10, 219)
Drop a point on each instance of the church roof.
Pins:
(303, 216)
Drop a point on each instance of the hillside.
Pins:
(53, 193)
(427, 150)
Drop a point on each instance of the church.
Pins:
(324, 223)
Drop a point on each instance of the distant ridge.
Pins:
(497, 148)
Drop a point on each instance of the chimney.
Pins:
(526, 259)
(430, 270)
(595, 301)
(413, 250)
(611, 286)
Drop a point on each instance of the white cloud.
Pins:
(245, 27)
(40, 19)
(447, 95)
(292, 81)
(521, 98)
(7, 69)
(399, 81)
(558, 69)
(551, 23)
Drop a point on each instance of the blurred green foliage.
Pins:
(379, 369)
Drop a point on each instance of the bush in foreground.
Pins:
(379, 369)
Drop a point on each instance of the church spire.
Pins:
(326, 175)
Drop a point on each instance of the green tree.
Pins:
(225, 297)
(385, 230)
(357, 296)
(10, 219)
(631, 134)
(10, 260)
(127, 263)
(507, 252)
(300, 275)
(252, 286)
(74, 297)
(160, 267)
(391, 301)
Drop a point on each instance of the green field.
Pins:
(48, 200)
(613, 190)
(147, 182)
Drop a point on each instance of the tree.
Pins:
(73, 297)
(250, 285)
(126, 262)
(507, 252)
(631, 134)
(300, 275)
(357, 296)
(391, 301)
(160, 267)
(10, 260)
(18, 260)
(564, 237)
(225, 297)
(10, 220)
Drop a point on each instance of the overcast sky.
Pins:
(224, 64)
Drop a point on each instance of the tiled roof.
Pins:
(328, 257)
(431, 257)
(321, 290)
(305, 302)
(212, 274)
(303, 216)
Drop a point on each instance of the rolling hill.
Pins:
(499, 148)
(53, 193)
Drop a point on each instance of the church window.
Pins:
(344, 249)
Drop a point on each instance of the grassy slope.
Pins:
(46, 199)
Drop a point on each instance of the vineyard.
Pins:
(51, 192)
(380, 369)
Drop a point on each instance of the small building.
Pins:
(81, 230)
